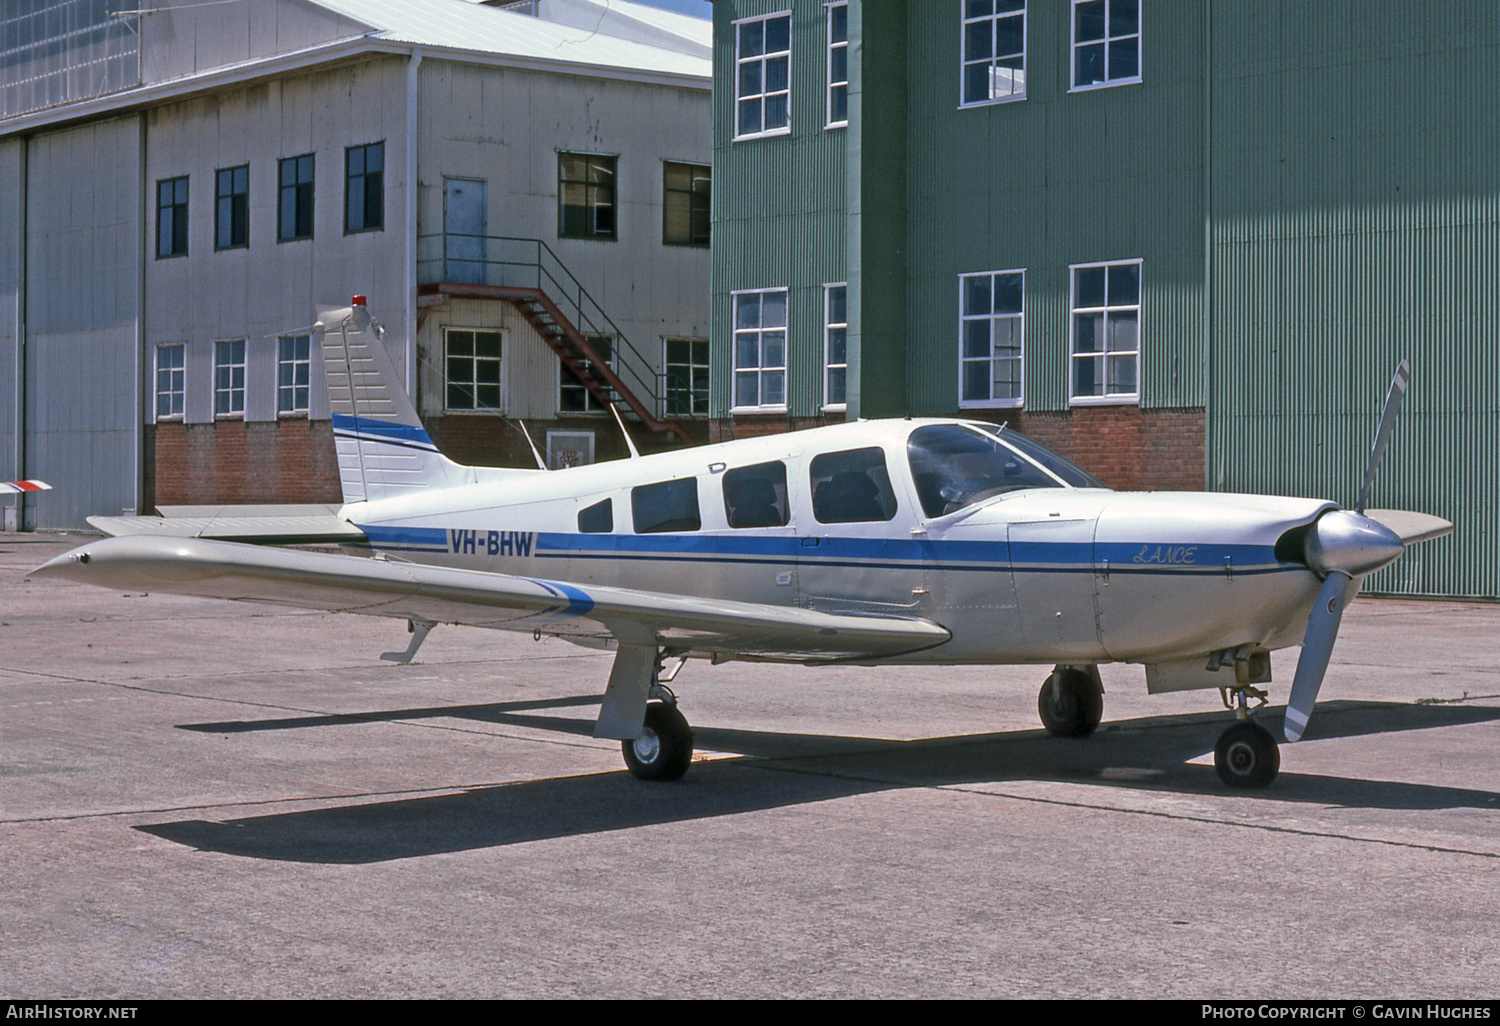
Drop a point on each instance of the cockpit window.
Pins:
(1071, 473)
(954, 466)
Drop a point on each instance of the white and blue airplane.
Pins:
(930, 541)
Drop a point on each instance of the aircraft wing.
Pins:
(380, 587)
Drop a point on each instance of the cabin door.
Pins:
(1056, 582)
(465, 226)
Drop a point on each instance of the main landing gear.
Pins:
(640, 711)
(1246, 755)
(665, 747)
(1071, 701)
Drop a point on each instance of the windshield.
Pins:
(1071, 473)
(957, 465)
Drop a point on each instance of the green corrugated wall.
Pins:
(778, 208)
(1311, 188)
(1356, 222)
(1058, 179)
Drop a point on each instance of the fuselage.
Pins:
(1020, 555)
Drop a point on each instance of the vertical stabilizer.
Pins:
(383, 449)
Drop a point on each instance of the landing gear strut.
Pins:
(1071, 701)
(1246, 755)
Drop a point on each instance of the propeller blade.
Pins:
(1383, 432)
(1317, 648)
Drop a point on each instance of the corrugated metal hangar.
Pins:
(1184, 242)
(182, 184)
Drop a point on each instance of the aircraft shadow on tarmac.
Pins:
(775, 770)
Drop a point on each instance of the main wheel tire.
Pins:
(1071, 703)
(1246, 756)
(665, 747)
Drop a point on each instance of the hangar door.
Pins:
(81, 275)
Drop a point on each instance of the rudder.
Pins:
(383, 449)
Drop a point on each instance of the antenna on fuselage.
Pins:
(541, 464)
(635, 453)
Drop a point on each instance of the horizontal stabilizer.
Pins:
(256, 525)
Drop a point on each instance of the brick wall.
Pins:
(758, 425)
(495, 442)
(1126, 447)
(239, 463)
(293, 461)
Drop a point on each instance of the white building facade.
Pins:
(164, 242)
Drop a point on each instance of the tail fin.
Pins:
(383, 449)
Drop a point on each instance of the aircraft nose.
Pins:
(1351, 543)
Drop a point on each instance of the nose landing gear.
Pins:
(1246, 755)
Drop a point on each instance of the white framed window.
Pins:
(763, 76)
(471, 370)
(994, 51)
(171, 380)
(573, 395)
(686, 363)
(1105, 333)
(293, 373)
(835, 346)
(991, 338)
(838, 64)
(229, 378)
(1106, 43)
(759, 349)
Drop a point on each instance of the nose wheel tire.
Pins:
(665, 747)
(1246, 756)
(1071, 703)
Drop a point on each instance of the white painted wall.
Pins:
(12, 218)
(84, 223)
(98, 301)
(506, 127)
(273, 288)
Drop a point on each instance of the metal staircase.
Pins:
(528, 275)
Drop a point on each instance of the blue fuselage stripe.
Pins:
(870, 553)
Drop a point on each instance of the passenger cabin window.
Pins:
(756, 496)
(598, 518)
(851, 487)
(665, 507)
(954, 466)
